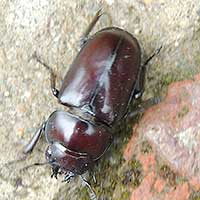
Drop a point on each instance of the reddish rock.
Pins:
(181, 192)
(148, 161)
(159, 185)
(173, 127)
(143, 192)
(195, 184)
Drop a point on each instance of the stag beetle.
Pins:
(105, 77)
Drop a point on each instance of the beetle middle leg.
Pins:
(54, 91)
(157, 51)
(140, 82)
(139, 89)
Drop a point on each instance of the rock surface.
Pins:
(53, 29)
(172, 128)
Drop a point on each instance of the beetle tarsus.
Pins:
(92, 192)
(55, 172)
(68, 177)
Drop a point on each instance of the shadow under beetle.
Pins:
(105, 77)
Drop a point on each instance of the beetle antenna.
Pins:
(33, 165)
(14, 161)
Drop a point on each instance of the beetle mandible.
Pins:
(105, 77)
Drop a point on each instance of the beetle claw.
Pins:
(55, 172)
(68, 177)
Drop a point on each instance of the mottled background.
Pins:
(53, 29)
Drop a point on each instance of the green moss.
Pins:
(177, 75)
(168, 78)
(195, 196)
(146, 147)
(132, 175)
(197, 60)
(114, 177)
(158, 82)
(125, 195)
(83, 193)
(168, 175)
(111, 172)
(183, 112)
(137, 173)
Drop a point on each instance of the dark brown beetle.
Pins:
(104, 78)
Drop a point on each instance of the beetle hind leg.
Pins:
(54, 91)
(85, 35)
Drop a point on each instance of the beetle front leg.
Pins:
(55, 171)
(92, 192)
(30, 146)
(54, 91)
(68, 176)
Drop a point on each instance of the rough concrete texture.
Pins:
(52, 29)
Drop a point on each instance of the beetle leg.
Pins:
(84, 37)
(92, 192)
(55, 91)
(157, 51)
(140, 82)
(139, 89)
(68, 176)
(143, 106)
(94, 178)
(55, 171)
(34, 139)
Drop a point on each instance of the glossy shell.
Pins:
(103, 76)
(81, 139)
